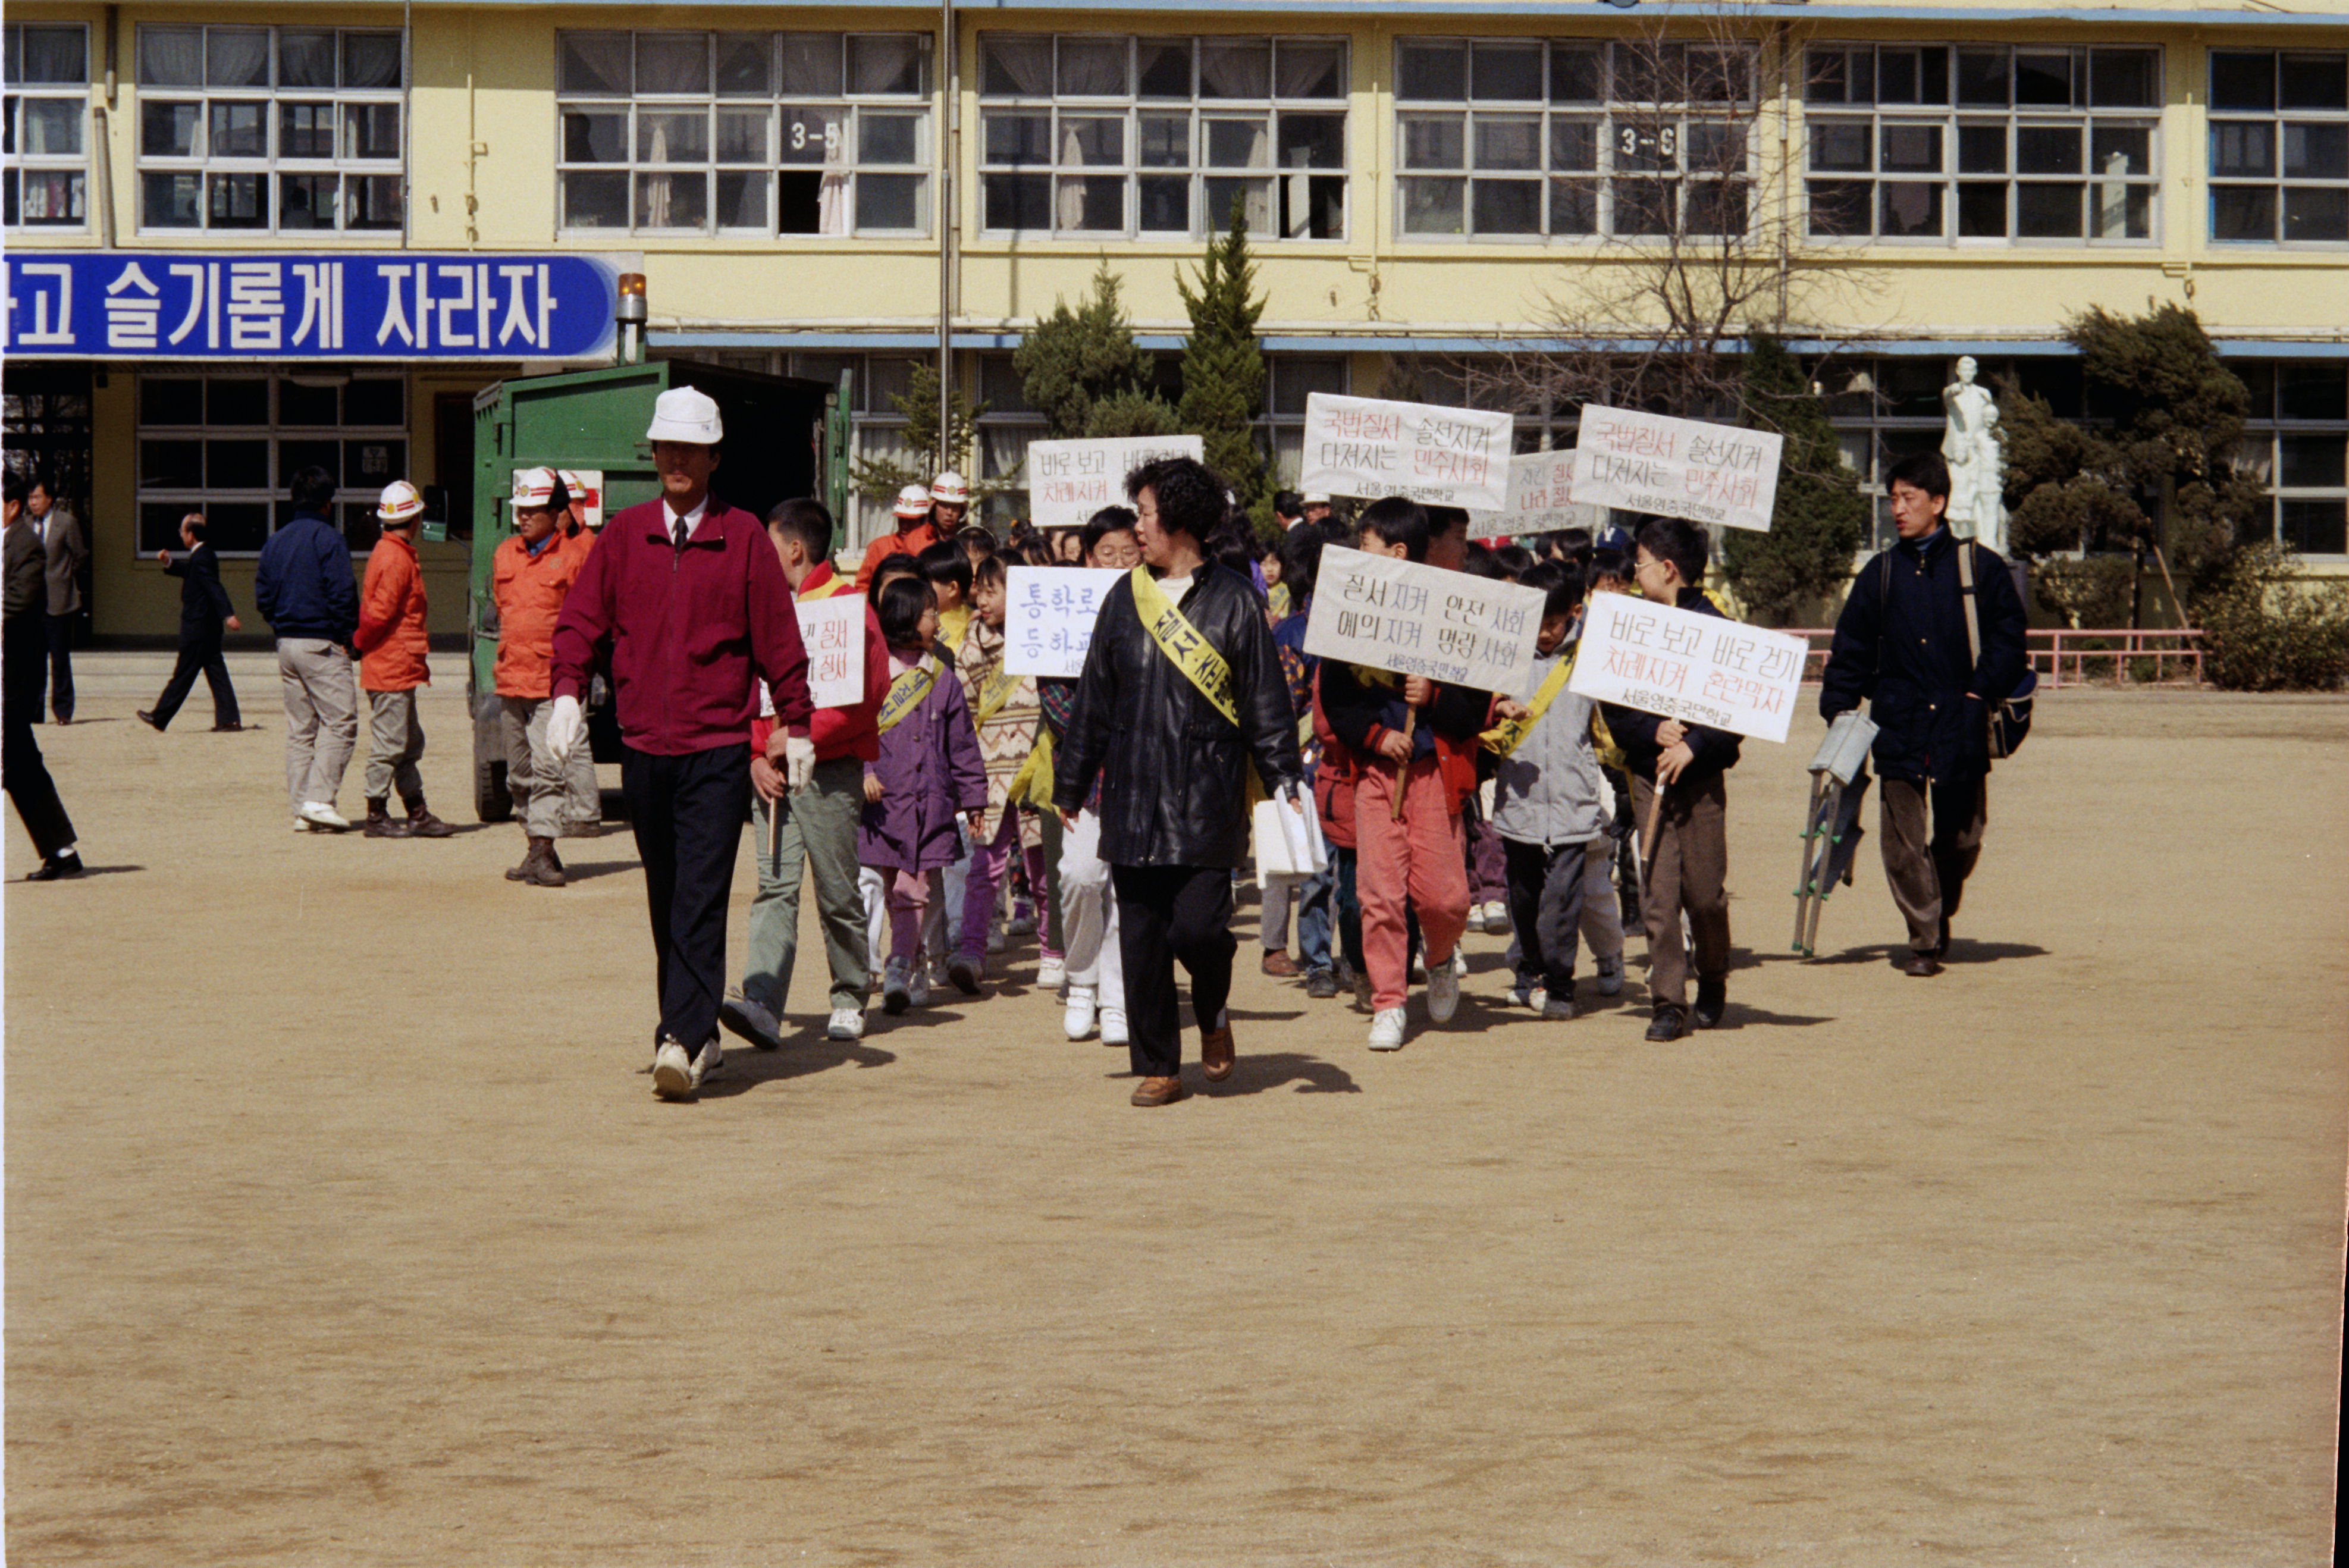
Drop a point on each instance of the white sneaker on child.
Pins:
(1051, 972)
(1386, 1030)
(1077, 1023)
(846, 1024)
(1112, 1025)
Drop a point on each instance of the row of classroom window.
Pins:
(229, 444)
(274, 129)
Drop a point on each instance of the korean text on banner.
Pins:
(1539, 483)
(833, 631)
(1681, 468)
(1049, 615)
(1699, 669)
(1416, 620)
(1068, 482)
(1437, 456)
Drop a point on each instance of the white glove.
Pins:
(566, 729)
(799, 762)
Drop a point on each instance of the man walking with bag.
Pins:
(1932, 638)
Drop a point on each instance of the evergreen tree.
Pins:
(2166, 413)
(1082, 371)
(1820, 519)
(880, 479)
(1223, 370)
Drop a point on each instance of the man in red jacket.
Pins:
(818, 827)
(685, 598)
(393, 647)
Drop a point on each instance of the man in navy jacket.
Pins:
(305, 591)
(1901, 645)
(204, 613)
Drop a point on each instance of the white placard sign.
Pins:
(1438, 457)
(1680, 468)
(1049, 615)
(1390, 614)
(1068, 482)
(1699, 669)
(1539, 483)
(833, 631)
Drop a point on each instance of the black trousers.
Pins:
(25, 772)
(1164, 913)
(1927, 870)
(60, 630)
(200, 655)
(688, 813)
(1546, 900)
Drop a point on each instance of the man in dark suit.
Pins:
(204, 613)
(64, 552)
(27, 775)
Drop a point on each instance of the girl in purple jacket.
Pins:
(928, 776)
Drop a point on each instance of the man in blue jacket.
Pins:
(305, 591)
(1901, 645)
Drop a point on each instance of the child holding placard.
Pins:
(1550, 806)
(1680, 802)
(1417, 738)
(1006, 710)
(927, 774)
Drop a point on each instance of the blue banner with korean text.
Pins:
(340, 305)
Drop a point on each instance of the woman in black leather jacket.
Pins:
(1172, 766)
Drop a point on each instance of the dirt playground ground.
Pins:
(343, 1226)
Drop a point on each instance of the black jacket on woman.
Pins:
(1173, 770)
(1901, 645)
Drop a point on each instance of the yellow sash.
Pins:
(836, 583)
(1509, 734)
(1180, 641)
(997, 690)
(1032, 785)
(906, 692)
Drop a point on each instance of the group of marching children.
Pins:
(928, 834)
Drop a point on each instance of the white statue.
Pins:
(1977, 466)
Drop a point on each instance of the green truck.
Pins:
(785, 436)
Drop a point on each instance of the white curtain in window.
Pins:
(172, 57)
(236, 57)
(595, 63)
(54, 55)
(1093, 68)
(1302, 68)
(832, 209)
(656, 186)
(1020, 66)
(1236, 70)
(1069, 209)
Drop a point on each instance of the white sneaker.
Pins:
(322, 814)
(847, 1024)
(1523, 995)
(707, 1060)
(1386, 1030)
(1495, 918)
(1442, 992)
(751, 1021)
(896, 992)
(1051, 972)
(1610, 977)
(674, 1077)
(1112, 1025)
(1077, 1023)
(1459, 961)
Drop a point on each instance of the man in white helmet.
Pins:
(685, 599)
(925, 516)
(393, 654)
(531, 574)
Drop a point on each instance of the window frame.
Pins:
(17, 164)
(1198, 170)
(855, 110)
(355, 503)
(1951, 119)
(1664, 123)
(2279, 122)
(360, 181)
(2270, 427)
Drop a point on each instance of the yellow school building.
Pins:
(809, 189)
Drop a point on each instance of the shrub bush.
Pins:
(2264, 631)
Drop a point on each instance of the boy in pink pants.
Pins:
(1418, 738)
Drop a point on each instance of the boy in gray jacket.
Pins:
(1550, 807)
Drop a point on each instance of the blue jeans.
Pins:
(1313, 898)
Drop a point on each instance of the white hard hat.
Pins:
(399, 502)
(535, 487)
(686, 414)
(1315, 498)
(571, 482)
(913, 503)
(948, 487)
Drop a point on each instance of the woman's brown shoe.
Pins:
(1159, 1091)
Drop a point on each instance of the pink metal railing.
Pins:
(2064, 657)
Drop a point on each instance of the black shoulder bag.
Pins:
(2010, 716)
